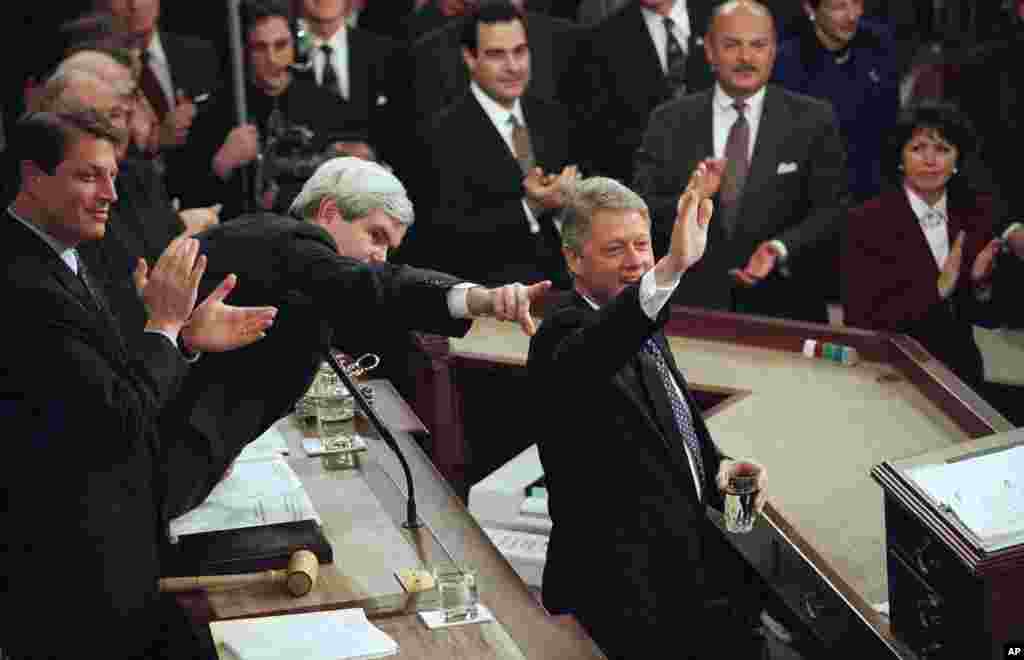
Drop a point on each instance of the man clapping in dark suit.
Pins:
(87, 406)
(628, 460)
(784, 190)
(494, 165)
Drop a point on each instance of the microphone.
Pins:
(412, 520)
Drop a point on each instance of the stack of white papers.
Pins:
(310, 636)
(985, 493)
(268, 445)
(257, 492)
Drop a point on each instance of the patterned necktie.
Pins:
(737, 154)
(680, 409)
(675, 69)
(329, 80)
(521, 144)
(150, 86)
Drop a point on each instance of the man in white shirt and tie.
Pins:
(488, 206)
(784, 190)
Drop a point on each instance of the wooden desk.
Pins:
(362, 512)
(817, 426)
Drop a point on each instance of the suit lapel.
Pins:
(501, 155)
(917, 248)
(646, 69)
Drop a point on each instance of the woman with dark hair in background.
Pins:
(919, 259)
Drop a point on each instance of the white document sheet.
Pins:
(985, 492)
(257, 492)
(330, 635)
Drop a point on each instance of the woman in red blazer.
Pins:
(919, 258)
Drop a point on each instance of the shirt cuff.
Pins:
(781, 247)
(457, 306)
(654, 297)
(188, 357)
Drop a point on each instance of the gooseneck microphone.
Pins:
(412, 520)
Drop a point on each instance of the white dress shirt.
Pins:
(499, 116)
(681, 30)
(652, 299)
(161, 67)
(339, 59)
(934, 224)
(723, 116)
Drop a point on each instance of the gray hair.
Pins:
(358, 187)
(61, 92)
(588, 197)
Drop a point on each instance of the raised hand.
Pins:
(216, 326)
(693, 215)
(169, 290)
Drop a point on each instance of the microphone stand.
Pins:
(412, 520)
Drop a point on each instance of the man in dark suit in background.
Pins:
(784, 191)
(482, 182)
(88, 406)
(440, 77)
(628, 461)
(366, 73)
(631, 63)
(177, 69)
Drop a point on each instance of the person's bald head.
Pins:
(740, 46)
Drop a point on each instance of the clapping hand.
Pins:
(549, 191)
(216, 326)
(951, 268)
(985, 263)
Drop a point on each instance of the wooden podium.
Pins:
(948, 597)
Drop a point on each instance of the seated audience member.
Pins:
(784, 189)
(603, 376)
(647, 53)
(920, 259)
(486, 187)
(366, 74)
(326, 299)
(87, 405)
(440, 77)
(849, 61)
(176, 70)
(292, 124)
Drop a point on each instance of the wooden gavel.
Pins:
(299, 577)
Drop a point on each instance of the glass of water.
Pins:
(457, 593)
(739, 498)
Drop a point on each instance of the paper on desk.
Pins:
(329, 635)
(257, 492)
(268, 445)
(985, 492)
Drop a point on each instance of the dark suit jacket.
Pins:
(620, 81)
(379, 96)
(142, 224)
(85, 413)
(626, 553)
(196, 69)
(440, 77)
(469, 191)
(802, 208)
(889, 277)
(321, 297)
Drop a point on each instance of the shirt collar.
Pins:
(67, 254)
(723, 102)
(921, 207)
(678, 14)
(337, 42)
(497, 113)
(156, 47)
